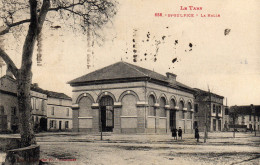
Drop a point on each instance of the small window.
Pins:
(68, 111)
(14, 111)
(214, 108)
(196, 108)
(52, 111)
(43, 106)
(37, 104)
(219, 110)
(32, 103)
(66, 124)
(52, 124)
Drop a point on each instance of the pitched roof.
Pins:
(36, 88)
(246, 109)
(122, 70)
(205, 93)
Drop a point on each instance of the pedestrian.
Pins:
(180, 132)
(197, 136)
(174, 133)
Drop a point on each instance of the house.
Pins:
(59, 111)
(8, 103)
(42, 102)
(39, 108)
(247, 118)
(125, 98)
(208, 107)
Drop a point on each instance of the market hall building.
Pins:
(125, 98)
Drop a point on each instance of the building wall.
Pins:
(245, 120)
(39, 106)
(8, 104)
(215, 120)
(58, 110)
(131, 109)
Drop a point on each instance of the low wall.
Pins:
(9, 143)
(23, 156)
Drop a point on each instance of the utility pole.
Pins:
(206, 118)
(254, 112)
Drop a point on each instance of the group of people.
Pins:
(179, 131)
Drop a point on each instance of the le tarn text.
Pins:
(194, 12)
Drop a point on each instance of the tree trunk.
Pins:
(24, 104)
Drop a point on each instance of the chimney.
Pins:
(171, 76)
(8, 72)
(35, 85)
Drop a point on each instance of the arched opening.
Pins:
(181, 106)
(189, 113)
(129, 105)
(151, 108)
(129, 112)
(162, 104)
(85, 109)
(107, 113)
(85, 113)
(172, 114)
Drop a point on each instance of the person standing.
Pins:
(180, 132)
(197, 136)
(174, 133)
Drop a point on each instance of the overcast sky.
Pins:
(228, 64)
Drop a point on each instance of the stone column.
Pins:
(75, 119)
(167, 108)
(117, 117)
(96, 117)
(177, 117)
(141, 116)
(157, 116)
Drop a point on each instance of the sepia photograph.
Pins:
(139, 82)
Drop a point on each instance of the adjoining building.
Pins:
(8, 104)
(41, 103)
(247, 117)
(59, 111)
(208, 107)
(125, 98)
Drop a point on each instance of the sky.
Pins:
(229, 65)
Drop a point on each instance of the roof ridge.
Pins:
(135, 68)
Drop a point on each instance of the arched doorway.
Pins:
(172, 114)
(107, 113)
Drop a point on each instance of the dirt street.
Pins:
(220, 148)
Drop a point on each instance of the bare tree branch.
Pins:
(6, 30)
(9, 62)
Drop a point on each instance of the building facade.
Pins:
(59, 112)
(208, 107)
(8, 104)
(124, 98)
(41, 102)
(246, 118)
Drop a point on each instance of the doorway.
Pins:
(172, 119)
(60, 122)
(107, 114)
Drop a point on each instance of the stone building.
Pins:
(59, 111)
(8, 103)
(246, 119)
(41, 100)
(125, 98)
(211, 105)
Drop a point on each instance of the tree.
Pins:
(30, 16)
(234, 115)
